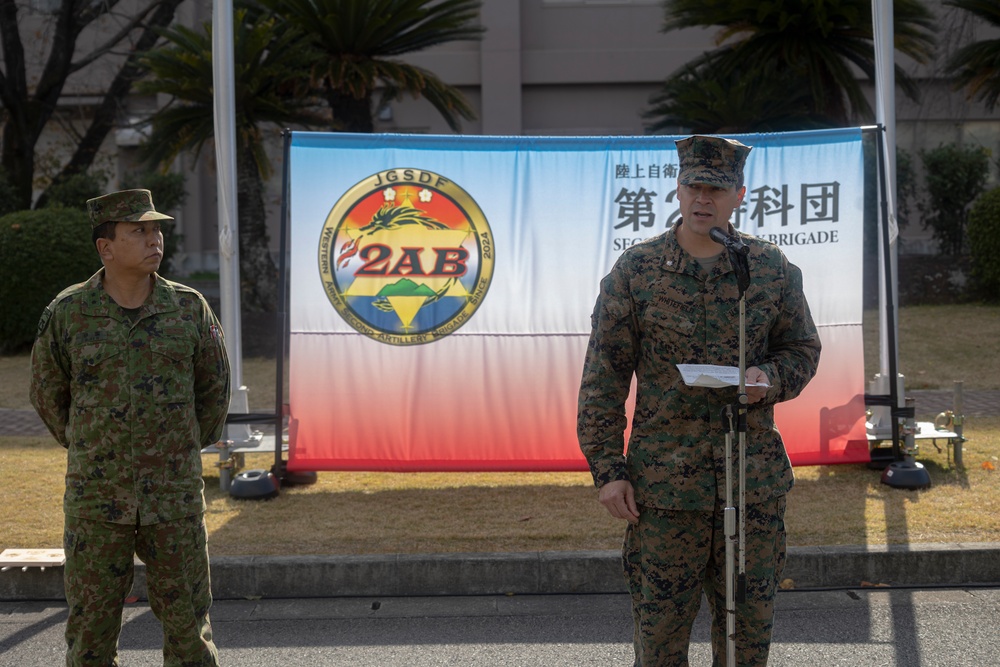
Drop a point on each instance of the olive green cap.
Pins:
(123, 206)
(711, 160)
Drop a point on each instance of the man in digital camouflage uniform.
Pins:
(130, 374)
(674, 300)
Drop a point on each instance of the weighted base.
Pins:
(254, 485)
(299, 478)
(295, 478)
(880, 458)
(906, 474)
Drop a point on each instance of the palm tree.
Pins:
(819, 43)
(703, 101)
(976, 67)
(359, 41)
(269, 83)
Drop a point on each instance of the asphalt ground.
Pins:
(851, 627)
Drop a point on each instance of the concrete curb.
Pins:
(535, 573)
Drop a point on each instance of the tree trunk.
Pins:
(18, 162)
(258, 275)
(349, 113)
(106, 115)
(18, 152)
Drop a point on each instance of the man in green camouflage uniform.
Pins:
(674, 300)
(130, 374)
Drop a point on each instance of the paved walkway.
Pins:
(889, 628)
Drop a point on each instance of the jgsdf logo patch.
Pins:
(406, 256)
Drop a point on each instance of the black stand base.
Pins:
(906, 474)
(254, 485)
(881, 457)
(294, 478)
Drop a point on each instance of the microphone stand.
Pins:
(736, 416)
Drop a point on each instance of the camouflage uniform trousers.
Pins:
(98, 576)
(670, 557)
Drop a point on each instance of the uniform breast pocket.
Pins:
(172, 361)
(668, 332)
(761, 315)
(98, 373)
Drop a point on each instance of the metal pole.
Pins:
(225, 156)
(282, 324)
(741, 581)
(224, 106)
(729, 525)
(888, 312)
(885, 116)
(958, 419)
(736, 580)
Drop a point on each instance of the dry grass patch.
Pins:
(366, 513)
(357, 513)
(847, 504)
(941, 344)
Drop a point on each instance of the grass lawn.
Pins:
(358, 513)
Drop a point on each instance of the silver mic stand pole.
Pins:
(736, 583)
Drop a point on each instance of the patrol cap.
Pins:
(123, 206)
(711, 160)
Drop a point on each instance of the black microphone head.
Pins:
(732, 243)
(718, 235)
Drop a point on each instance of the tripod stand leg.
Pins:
(729, 526)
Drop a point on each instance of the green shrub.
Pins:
(75, 190)
(8, 196)
(41, 253)
(955, 175)
(984, 244)
(906, 187)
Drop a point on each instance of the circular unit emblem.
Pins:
(406, 256)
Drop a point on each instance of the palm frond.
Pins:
(360, 39)
(271, 86)
(820, 41)
(976, 66)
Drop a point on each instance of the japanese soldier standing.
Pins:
(131, 376)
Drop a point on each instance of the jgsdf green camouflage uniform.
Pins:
(655, 310)
(133, 396)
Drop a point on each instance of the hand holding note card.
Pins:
(707, 375)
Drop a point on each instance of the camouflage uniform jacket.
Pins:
(133, 403)
(655, 311)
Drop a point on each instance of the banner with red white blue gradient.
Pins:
(442, 286)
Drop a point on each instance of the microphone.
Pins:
(732, 243)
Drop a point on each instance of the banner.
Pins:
(442, 286)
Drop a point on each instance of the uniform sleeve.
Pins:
(793, 345)
(50, 376)
(607, 376)
(211, 378)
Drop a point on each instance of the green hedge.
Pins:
(954, 175)
(984, 244)
(41, 253)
